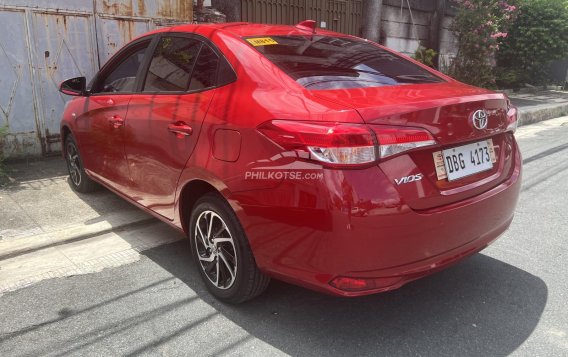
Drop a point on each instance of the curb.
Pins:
(70, 235)
(535, 114)
(92, 266)
(88, 252)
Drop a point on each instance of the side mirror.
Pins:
(74, 86)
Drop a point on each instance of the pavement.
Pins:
(48, 230)
(539, 106)
(508, 300)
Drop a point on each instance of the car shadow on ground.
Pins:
(481, 306)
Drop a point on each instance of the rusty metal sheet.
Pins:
(61, 5)
(43, 42)
(16, 91)
(115, 33)
(178, 9)
(64, 48)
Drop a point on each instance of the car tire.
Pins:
(78, 178)
(222, 253)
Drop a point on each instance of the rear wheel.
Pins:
(222, 252)
(78, 179)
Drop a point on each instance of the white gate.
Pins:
(65, 49)
(16, 91)
(43, 42)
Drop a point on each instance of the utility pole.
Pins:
(371, 21)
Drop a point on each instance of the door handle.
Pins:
(181, 129)
(116, 121)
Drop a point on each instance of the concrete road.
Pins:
(511, 299)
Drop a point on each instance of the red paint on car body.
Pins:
(351, 230)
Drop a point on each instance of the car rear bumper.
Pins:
(353, 224)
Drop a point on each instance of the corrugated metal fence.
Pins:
(336, 15)
(43, 42)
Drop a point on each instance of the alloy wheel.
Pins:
(73, 164)
(216, 250)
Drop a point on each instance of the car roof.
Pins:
(245, 29)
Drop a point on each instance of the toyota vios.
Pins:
(290, 152)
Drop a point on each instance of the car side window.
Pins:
(123, 77)
(205, 72)
(172, 64)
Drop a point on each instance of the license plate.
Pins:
(466, 160)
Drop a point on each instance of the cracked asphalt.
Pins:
(508, 300)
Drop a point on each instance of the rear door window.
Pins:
(205, 72)
(325, 62)
(172, 64)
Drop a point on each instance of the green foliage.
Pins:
(507, 77)
(425, 55)
(538, 37)
(480, 27)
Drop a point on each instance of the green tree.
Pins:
(480, 27)
(538, 37)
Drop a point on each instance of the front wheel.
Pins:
(222, 252)
(78, 178)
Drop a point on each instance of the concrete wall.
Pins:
(448, 43)
(404, 28)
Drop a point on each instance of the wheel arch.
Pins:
(189, 195)
(65, 132)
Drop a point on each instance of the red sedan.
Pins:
(305, 155)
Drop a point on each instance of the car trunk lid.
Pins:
(445, 110)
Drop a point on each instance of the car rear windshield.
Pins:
(325, 62)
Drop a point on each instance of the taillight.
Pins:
(395, 140)
(331, 143)
(512, 119)
(339, 144)
(512, 116)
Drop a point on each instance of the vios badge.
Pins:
(408, 179)
(479, 119)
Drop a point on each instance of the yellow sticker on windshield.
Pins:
(261, 41)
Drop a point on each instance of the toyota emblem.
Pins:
(479, 119)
